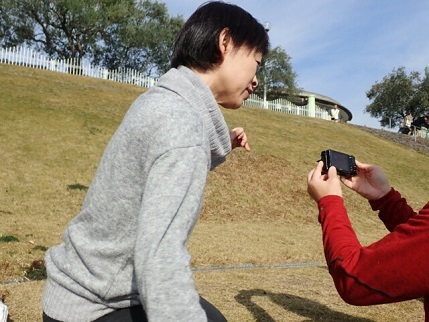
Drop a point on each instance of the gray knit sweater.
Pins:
(128, 244)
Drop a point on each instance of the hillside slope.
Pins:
(415, 143)
(54, 128)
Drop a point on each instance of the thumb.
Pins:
(332, 172)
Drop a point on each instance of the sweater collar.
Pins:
(192, 88)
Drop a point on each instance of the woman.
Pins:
(124, 257)
(393, 269)
(406, 123)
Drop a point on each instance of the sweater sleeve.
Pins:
(170, 208)
(393, 269)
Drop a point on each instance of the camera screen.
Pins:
(340, 160)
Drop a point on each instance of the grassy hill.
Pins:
(54, 128)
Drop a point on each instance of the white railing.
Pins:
(23, 56)
(285, 106)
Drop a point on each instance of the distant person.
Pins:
(335, 113)
(406, 123)
(393, 269)
(124, 257)
(420, 123)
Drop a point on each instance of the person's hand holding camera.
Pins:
(370, 181)
(322, 185)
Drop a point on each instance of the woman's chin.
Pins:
(232, 105)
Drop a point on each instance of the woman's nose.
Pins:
(255, 82)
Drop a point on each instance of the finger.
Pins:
(361, 165)
(332, 172)
(310, 175)
(238, 131)
(319, 167)
(316, 172)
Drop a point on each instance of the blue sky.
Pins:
(341, 48)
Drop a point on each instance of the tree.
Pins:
(61, 28)
(276, 70)
(113, 33)
(5, 21)
(397, 94)
(422, 97)
(143, 40)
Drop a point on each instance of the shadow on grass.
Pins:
(301, 306)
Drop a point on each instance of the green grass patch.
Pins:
(77, 186)
(36, 271)
(8, 239)
(40, 248)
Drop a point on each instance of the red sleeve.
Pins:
(393, 269)
(394, 209)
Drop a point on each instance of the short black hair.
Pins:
(197, 45)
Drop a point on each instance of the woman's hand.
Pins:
(239, 139)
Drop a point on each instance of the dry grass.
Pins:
(54, 129)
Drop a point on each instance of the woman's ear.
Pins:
(225, 43)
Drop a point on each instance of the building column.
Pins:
(311, 105)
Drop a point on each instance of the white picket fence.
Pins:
(285, 106)
(24, 56)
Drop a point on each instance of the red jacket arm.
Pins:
(392, 269)
(394, 209)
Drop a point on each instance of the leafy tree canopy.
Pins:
(113, 33)
(143, 40)
(277, 73)
(398, 93)
(116, 34)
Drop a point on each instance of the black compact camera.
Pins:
(344, 163)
